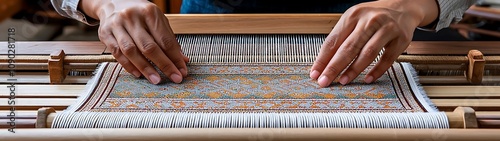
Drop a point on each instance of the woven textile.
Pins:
(251, 81)
(252, 88)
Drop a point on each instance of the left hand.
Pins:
(360, 35)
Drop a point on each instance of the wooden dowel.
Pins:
(67, 59)
(43, 79)
(218, 134)
(44, 66)
(36, 103)
(492, 67)
(455, 80)
(19, 123)
(417, 59)
(464, 92)
(44, 91)
(489, 123)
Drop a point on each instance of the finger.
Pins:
(153, 52)
(393, 50)
(367, 55)
(160, 29)
(346, 53)
(186, 58)
(110, 42)
(331, 44)
(130, 50)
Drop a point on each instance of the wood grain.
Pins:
(252, 23)
(452, 47)
(284, 134)
(48, 47)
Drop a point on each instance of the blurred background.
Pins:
(36, 20)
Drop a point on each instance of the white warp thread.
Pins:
(249, 120)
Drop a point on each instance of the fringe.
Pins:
(419, 91)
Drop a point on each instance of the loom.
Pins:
(463, 91)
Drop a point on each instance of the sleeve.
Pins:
(69, 9)
(450, 11)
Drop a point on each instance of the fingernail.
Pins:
(323, 81)
(314, 74)
(176, 78)
(154, 79)
(136, 74)
(343, 80)
(369, 79)
(183, 71)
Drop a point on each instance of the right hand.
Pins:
(138, 33)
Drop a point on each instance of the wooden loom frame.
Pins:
(58, 63)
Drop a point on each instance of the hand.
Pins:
(362, 32)
(138, 32)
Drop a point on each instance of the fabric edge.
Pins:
(419, 91)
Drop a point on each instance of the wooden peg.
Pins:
(462, 117)
(56, 67)
(475, 69)
(43, 117)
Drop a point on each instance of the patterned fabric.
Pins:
(251, 88)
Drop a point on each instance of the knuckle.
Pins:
(332, 70)
(122, 15)
(321, 63)
(352, 48)
(169, 44)
(127, 48)
(369, 52)
(355, 10)
(148, 8)
(149, 48)
(377, 20)
(166, 68)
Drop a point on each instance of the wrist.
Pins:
(93, 8)
(420, 12)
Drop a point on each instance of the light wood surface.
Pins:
(46, 47)
(452, 47)
(252, 23)
(308, 134)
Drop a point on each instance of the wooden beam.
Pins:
(252, 23)
(285, 134)
(46, 48)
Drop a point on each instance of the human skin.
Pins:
(363, 31)
(137, 31)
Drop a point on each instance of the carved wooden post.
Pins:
(56, 67)
(476, 67)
